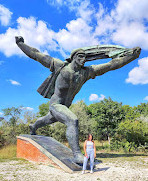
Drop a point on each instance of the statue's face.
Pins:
(80, 59)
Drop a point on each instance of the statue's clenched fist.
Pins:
(19, 39)
(137, 51)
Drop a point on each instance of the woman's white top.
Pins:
(89, 145)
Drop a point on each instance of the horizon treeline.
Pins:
(124, 127)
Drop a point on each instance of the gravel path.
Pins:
(19, 170)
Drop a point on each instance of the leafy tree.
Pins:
(13, 114)
(59, 131)
(27, 118)
(17, 123)
(43, 109)
(133, 131)
(128, 126)
(131, 134)
(10, 127)
(129, 112)
(108, 114)
(142, 109)
(2, 139)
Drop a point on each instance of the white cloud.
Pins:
(14, 82)
(125, 24)
(71, 4)
(27, 108)
(35, 33)
(85, 10)
(128, 29)
(132, 9)
(1, 113)
(82, 8)
(77, 34)
(101, 98)
(45, 52)
(132, 34)
(146, 98)
(5, 15)
(139, 75)
(95, 97)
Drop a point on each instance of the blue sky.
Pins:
(56, 27)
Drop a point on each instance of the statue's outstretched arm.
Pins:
(116, 62)
(33, 53)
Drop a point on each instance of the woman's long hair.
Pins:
(88, 137)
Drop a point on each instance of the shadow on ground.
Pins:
(101, 169)
(115, 155)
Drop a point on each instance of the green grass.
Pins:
(8, 152)
(100, 146)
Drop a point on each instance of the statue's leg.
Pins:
(42, 121)
(64, 115)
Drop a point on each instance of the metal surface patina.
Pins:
(68, 77)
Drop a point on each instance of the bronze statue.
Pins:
(68, 77)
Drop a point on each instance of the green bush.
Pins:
(131, 136)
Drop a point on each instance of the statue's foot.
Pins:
(78, 157)
(32, 130)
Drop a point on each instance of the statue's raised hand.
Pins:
(137, 51)
(19, 39)
(134, 52)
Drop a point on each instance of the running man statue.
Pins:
(68, 77)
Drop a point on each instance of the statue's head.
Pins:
(78, 56)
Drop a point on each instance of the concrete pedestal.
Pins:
(46, 150)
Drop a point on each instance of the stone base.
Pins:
(45, 149)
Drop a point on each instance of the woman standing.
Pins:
(90, 152)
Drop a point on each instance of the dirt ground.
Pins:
(110, 169)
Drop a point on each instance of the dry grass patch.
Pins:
(8, 152)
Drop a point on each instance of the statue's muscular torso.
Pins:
(68, 84)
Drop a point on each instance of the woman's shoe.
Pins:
(91, 171)
(83, 171)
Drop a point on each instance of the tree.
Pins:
(108, 114)
(9, 127)
(13, 114)
(28, 117)
(131, 134)
(44, 109)
(2, 139)
(142, 109)
(130, 113)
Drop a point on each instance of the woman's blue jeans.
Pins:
(90, 154)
